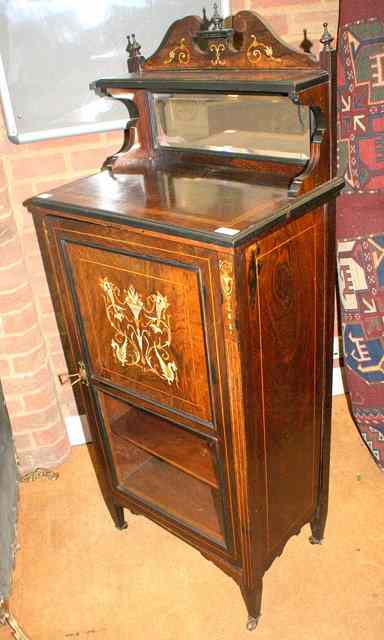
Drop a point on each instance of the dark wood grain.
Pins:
(287, 312)
(158, 345)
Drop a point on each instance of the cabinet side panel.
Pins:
(287, 308)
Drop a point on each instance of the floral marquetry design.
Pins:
(179, 54)
(142, 332)
(257, 50)
(217, 50)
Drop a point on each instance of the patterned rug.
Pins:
(360, 213)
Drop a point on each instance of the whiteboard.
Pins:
(51, 50)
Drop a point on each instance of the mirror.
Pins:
(253, 125)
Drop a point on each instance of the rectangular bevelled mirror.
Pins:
(253, 125)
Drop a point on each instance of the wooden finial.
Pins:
(135, 59)
(306, 45)
(327, 38)
(206, 23)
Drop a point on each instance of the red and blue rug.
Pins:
(360, 213)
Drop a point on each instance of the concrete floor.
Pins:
(78, 577)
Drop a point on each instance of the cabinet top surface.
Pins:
(218, 205)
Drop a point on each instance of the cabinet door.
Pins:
(144, 325)
(147, 319)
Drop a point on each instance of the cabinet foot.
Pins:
(252, 623)
(117, 514)
(252, 598)
(317, 529)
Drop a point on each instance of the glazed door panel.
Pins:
(170, 469)
(143, 325)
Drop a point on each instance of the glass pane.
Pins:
(270, 126)
(166, 466)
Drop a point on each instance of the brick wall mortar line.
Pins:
(32, 431)
(294, 10)
(46, 428)
(4, 243)
(31, 153)
(15, 289)
(26, 414)
(30, 373)
(46, 387)
(19, 334)
(23, 376)
(9, 360)
(48, 446)
(18, 311)
(39, 429)
(8, 182)
(22, 354)
(14, 264)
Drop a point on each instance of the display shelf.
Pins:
(169, 489)
(180, 448)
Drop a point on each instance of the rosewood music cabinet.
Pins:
(193, 283)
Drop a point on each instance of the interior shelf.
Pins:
(169, 489)
(168, 467)
(180, 448)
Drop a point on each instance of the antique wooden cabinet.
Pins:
(193, 281)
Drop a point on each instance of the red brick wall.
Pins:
(30, 351)
(289, 17)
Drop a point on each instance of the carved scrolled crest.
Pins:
(244, 42)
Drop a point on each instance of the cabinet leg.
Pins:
(320, 517)
(252, 598)
(317, 528)
(319, 520)
(117, 514)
